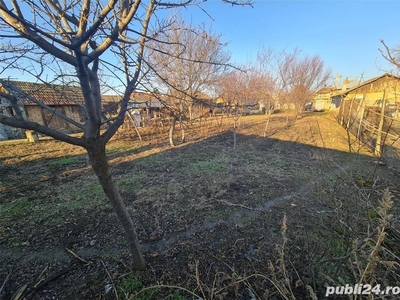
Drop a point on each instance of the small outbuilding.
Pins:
(372, 93)
(66, 99)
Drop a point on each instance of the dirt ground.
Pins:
(273, 218)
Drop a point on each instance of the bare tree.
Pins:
(268, 78)
(82, 42)
(241, 90)
(187, 60)
(246, 87)
(231, 89)
(392, 55)
(300, 77)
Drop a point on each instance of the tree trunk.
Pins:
(101, 168)
(132, 120)
(287, 118)
(234, 134)
(171, 131)
(190, 108)
(182, 130)
(379, 145)
(267, 123)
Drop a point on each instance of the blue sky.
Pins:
(346, 34)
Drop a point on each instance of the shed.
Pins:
(66, 99)
(322, 98)
(146, 104)
(372, 91)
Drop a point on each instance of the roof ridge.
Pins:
(47, 93)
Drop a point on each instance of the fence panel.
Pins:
(376, 127)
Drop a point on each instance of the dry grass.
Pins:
(278, 218)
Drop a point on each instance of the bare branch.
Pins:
(22, 123)
(24, 29)
(387, 54)
(118, 29)
(239, 3)
(21, 94)
(69, 40)
(133, 82)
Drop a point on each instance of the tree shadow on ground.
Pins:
(202, 201)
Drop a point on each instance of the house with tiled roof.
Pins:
(65, 99)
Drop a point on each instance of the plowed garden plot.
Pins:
(279, 217)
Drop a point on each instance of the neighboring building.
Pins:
(150, 105)
(108, 99)
(248, 108)
(110, 104)
(322, 99)
(146, 103)
(326, 99)
(372, 92)
(144, 100)
(67, 100)
(201, 106)
(143, 107)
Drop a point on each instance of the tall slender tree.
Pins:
(188, 65)
(300, 76)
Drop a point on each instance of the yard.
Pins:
(279, 217)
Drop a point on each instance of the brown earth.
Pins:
(209, 217)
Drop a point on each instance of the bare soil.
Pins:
(209, 217)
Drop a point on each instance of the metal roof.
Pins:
(48, 94)
(353, 88)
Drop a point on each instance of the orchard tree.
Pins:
(300, 77)
(187, 61)
(231, 89)
(268, 74)
(246, 86)
(392, 55)
(83, 42)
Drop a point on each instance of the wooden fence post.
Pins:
(360, 124)
(349, 123)
(341, 112)
(378, 146)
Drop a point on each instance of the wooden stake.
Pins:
(378, 146)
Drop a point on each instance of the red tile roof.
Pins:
(48, 94)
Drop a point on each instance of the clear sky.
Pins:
(346, 34)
